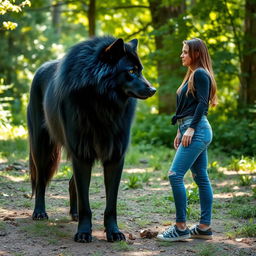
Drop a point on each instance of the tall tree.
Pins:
(56, 18)
(169, 33)
(248, 61)
(92, 17)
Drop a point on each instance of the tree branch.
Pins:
(128, 7)
(74, 1)
(138, 31)
(53, 5)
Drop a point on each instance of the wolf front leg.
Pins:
(112, 175)
(82, 176)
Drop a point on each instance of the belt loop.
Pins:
(182, 120)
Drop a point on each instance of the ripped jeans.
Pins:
(195, 158)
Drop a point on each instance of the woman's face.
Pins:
(185, 58)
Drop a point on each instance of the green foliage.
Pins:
(245, 180)
(246, 230)
(254, 192)
(14, 149)
(157, 158)
(192, 198)
(214, 171)
(153, 129)
(144, 177)
(244, 212)
(192, 195)
(51, 230)
(233, 134)
(65, 171)
(121, 246)
(9, 6)
(210, 250)
(133, 182)
(228, 134)
(242, 164)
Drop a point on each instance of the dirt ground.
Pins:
(19, 235)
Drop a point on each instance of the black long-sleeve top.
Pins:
(196, 106)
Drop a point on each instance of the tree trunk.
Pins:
(248, 65)
(168, 67)
(92, 18)
(56, 19)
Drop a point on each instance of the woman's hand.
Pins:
(176, 142)
(187, 137)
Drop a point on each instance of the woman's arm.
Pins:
(177, 139)
(202, 85)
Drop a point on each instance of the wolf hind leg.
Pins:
(44, 158)
(73, 200)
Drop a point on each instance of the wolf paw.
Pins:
(74, 216)
(83, 237)
(40, 216)
(115, 236)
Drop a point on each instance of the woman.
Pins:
(196, 93)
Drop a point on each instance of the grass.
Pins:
(53, 231)
(121, 246)
(210, 250)
(2, 226)
(243, 211)
(246, 230)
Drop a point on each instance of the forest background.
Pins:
(43, 30)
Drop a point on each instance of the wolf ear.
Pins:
(115, 51)
(134, 44)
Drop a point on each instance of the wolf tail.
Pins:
(44, 153)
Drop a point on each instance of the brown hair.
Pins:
(200, 57)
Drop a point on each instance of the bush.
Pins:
(231, 135)
(153, 129)
(234, 136)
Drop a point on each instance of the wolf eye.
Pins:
(131, 71)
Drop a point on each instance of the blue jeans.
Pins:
(193, 157)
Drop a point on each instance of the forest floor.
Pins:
(144, 203)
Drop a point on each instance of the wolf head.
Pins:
(102, 66)
(128, 73)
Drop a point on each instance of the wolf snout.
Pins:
(152, 91)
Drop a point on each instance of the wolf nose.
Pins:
(152, 91)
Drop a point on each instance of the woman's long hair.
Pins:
(200, 57)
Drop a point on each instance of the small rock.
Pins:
(148, 233)
(63, 247)
(131, 236)
(27, 196)
(14, 223)
(3, 233)
(143, 161)
(190, 250)
(245, 240)
(8, 219)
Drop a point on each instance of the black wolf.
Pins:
(85, 103)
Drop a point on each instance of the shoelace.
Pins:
(170, 231)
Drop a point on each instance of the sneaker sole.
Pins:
(180, 238)
(206, 237)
